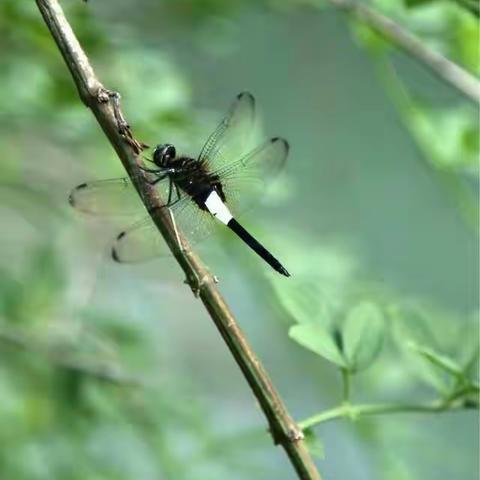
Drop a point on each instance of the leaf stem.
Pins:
(469, 389)
(355, 411)
(346, 380)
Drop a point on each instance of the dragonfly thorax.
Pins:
(194, 179)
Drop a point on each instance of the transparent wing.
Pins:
(139, 242)
(245, 180)
(142, 241)
(232, 137)
(115, 196)
(196, 224)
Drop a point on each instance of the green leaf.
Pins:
(466, 41)
(322, 282)
(304, 302)
(449, 136)
(319, 340)
(467, 347)
(314, 444)
(411, 328)
(410, 325)
(363, 334)
(442, 361)
(370, 39)
(470, 367)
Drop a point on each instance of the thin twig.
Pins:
(282, 427)
(355, 411)
(448, 71)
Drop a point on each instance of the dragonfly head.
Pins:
(163, 155)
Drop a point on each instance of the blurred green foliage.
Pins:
(101, 375)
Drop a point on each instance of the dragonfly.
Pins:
(201, 193)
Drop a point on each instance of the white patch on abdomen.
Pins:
(217, 208)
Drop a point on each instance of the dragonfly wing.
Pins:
(247, 179)
(196, 224)
(115, 196)
(232, 136)
(142, 241)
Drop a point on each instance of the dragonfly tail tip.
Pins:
(115, 255)
(283, 271)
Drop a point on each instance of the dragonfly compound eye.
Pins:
(163, 154)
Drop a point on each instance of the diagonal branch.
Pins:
(101, 102)
(448, 71)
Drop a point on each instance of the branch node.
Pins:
(104, 96)
(197, 284)
(295, 434)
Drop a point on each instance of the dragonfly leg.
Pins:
(158, 179)
(178, 192)
(149, 170)
(170, 189)
(169, 203)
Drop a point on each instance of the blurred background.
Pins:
(116, 372)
